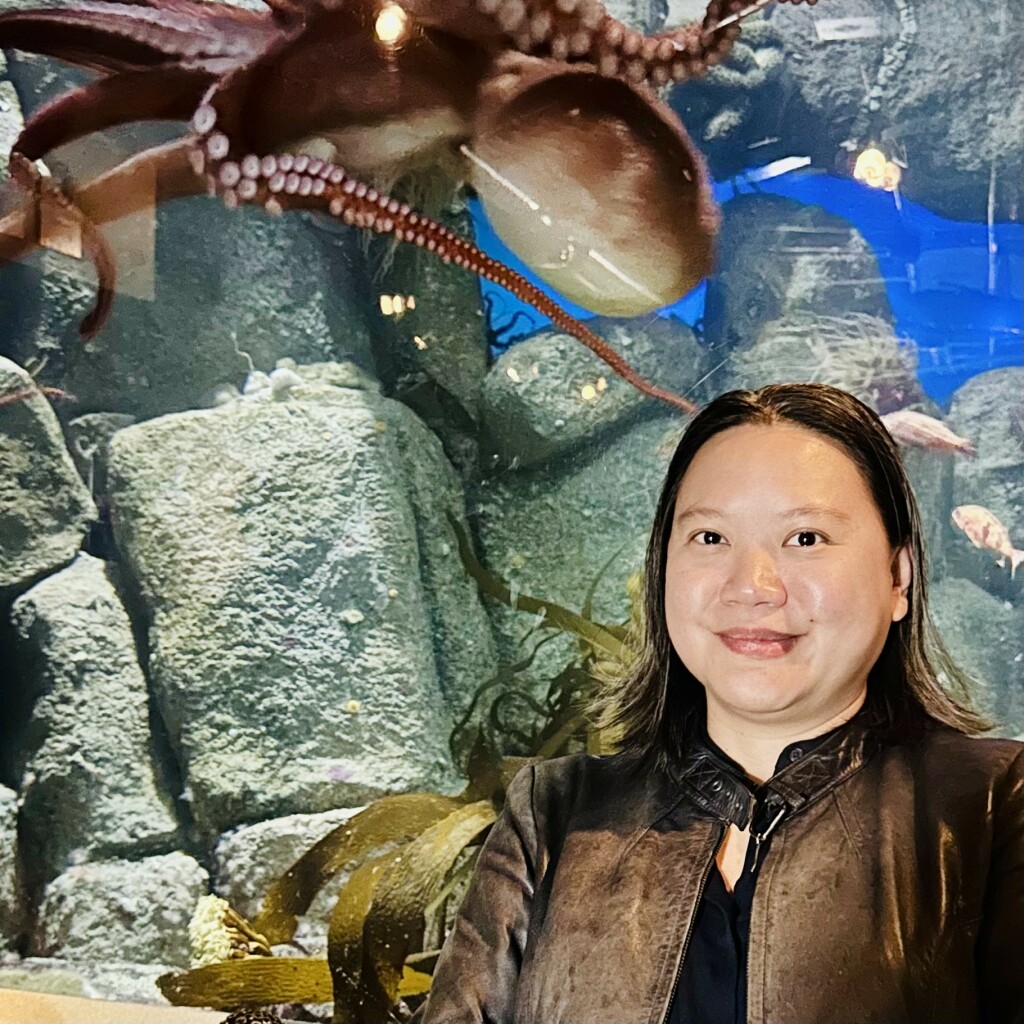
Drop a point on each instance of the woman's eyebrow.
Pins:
(800, 512)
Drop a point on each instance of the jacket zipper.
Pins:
(693, 917)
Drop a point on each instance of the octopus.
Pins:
(548, 109)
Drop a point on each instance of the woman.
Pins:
(799, 824)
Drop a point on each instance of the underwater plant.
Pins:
(544, 109)
(388, 924)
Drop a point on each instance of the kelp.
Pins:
(377, 942)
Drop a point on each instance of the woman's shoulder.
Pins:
(949, 751)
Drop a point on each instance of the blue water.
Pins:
(961, 309)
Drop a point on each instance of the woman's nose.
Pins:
(754, 578)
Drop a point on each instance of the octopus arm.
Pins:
(165, 93)
(111, 37)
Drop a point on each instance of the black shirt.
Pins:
(713, 979)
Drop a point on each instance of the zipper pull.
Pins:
(773, 802)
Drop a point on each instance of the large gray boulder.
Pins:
(134, 910)
(45, 508)
(251, 858)
(550, 396)
(550, 531)
(91, 788)
(934, 83)
(778, 259)
(313, 634)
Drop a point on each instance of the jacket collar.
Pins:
(716, 788)
(717, 785)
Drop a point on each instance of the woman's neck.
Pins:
(756, 747)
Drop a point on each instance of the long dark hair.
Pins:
(652, 709)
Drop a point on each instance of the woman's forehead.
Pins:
(782, 466)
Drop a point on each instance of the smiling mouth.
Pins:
(759, 643)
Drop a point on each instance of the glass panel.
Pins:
(344, 350)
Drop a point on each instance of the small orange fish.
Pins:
(921, 431)
(984, 530)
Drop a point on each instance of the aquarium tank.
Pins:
(343, 349)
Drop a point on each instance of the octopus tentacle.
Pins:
(43, 193)
(288, 181)
(583, 30)
(123, 190)
(164, 93)
(108, 36)
(154, 93)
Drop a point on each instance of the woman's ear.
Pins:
(902, 577)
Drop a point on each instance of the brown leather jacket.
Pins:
(891, 892)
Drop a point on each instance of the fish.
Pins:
(921, 431)
(985, 530)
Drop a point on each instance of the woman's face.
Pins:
(778, 589)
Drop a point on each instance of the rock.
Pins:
(121, 910)
(120, 981)
(550, 532)
(733, 112)
(252, 529)
(933, 84)
(45, 509)
(780, 259)
(549, 396)
(90, 787)
(986, 636)
(12, 907)
(989, 409)
(856, 352)
(251, 858)
(433, 356)
(88, 439)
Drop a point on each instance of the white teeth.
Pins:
(318, 186)
(217, 146)
(250, 166)
(284, 162)
(305, 186)
(336, 206)
(291, 184)
(268, 166)
(230, 198)
(301, 163)
(246, 189)
(204, 119)
(276, 182)
(337, 175)
(314, 167)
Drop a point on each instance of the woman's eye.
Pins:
(806, 538)
(707, 537)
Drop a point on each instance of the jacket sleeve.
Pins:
(1000, 949)
(477, 970)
